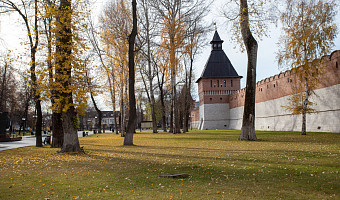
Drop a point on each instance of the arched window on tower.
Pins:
(225, 83)
(231, 83)
(210, 83)
(218, 83)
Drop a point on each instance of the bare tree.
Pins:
(247, 22)
(128, 140)
(148, 26)
(33, 36)
(248, 123)
(194, 41)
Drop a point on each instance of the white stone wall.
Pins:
(214, 116)
(194, 124)
(270, 115)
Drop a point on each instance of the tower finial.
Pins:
(215, 26)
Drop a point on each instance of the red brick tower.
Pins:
(218, 79)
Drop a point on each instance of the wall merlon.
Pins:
(282, 84)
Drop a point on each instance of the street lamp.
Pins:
(34, 121)
(95, 125)
(24, 122)
(89, 124)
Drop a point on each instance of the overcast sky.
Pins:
(11, 36)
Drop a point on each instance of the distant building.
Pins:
(90, 119)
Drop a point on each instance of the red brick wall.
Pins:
(210, 93)
(282, 84)
(195, 114)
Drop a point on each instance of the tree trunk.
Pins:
(128, 139)
(63, 51)
(38, 125)
(171, 128)
(115, 121)
(248, 123)
(99, 112)
(304, 108)
(149, 74)
(38, 142)
(2, 98)
(113, 99)
(71, 142)
(162, 105)
(122, 117)
(58, 134)
(34, 79)
(187, 99)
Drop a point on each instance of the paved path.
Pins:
(28, 141)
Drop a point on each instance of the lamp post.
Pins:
(95, 124)
(33, 129)
(24, 122)
(88, 124)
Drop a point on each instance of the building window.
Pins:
(210, 83)
(336, 65)
(210, 99)
(218, 83)
(225, 83)
(231, 83)
(221, 99)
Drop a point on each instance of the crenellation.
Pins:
(281, 84)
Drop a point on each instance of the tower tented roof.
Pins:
(218, 64)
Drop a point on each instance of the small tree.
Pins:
(309, 32)
(116, 24)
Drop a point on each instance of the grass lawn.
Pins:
(281, 165)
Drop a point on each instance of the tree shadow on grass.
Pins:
(219, 154)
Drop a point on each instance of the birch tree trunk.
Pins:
(304, 108)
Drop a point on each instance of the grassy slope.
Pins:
(282, 165)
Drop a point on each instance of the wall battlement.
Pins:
(283, 84)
